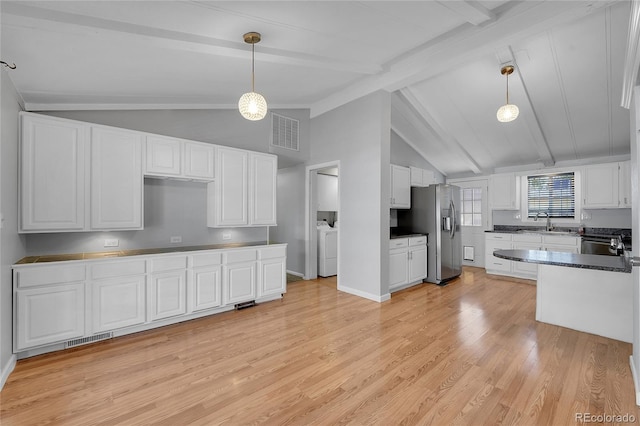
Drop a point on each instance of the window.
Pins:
(471, 207)
(553, 194)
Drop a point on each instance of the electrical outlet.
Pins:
(177, 239)
(111, 242)
(226, 235)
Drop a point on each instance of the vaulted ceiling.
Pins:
(440, 59)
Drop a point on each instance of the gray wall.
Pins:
(403, 154)
(12, 246)
(291, 220)
(358, 135)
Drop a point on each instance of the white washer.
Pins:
(327, 250)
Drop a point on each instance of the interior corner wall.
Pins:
(358, 135)
(12, 245)
(635, 235)
(290, 218)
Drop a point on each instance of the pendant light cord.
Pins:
(253, 72)
(507, 88)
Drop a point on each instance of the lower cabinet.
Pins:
(204, 288)
(118, 302)
(407, 262)
(239, 283)
(167, 295)
(48, 314)
(272, 279)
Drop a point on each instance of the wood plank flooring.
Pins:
(467, 353)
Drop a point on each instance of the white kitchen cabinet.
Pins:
(48, 314)
(327, 193)
(272, 279)
(228, 195)
(600, 186)
(116, 179)
(53, 174)
(167, 294)
(421, 177)
(493, 242)
(178, 158)
(624, 184)
(407, 262)
(118, 302)
(205, 288)
(198, 160)
(525, 242)
(400, 187)
(504, 192)
(562, 243)
(263, 169)
(239, 281)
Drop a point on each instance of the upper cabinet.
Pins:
(244, 190)
(53, 177)
(400, 187)
(504, 192)
(116, 179)
(422, 177)
(178, 158)
(606, 186)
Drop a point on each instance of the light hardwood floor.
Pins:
(467, 353)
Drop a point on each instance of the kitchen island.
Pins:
(584, 292)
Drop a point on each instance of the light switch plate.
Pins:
(111, 242)
(226, 235)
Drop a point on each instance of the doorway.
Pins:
(474, 215)
(322, 199)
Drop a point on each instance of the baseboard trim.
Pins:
(297, 274)
(364, 294)
(7, 369)
(634, 376)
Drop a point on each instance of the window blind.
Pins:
(553, 194)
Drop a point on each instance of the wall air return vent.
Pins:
(284, 132)
(85, 340)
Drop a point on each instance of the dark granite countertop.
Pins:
(570, 260)
(136, 252)
(394, 236)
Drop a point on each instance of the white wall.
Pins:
(12, 246)
(605, 218)
(291, 220)
(358, 135)
(635, 241)
(403, 154)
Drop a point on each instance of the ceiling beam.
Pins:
(506, 56)
(177, 40)
(450, 142)
(515, 21)
(471, 11)
(416, 146)
(632, 58)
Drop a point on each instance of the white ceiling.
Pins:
(441, 60)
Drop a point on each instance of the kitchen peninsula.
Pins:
(584, 292)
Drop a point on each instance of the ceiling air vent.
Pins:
(284, 132)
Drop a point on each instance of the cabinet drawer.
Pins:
(168, 263)
(498, 236)
(418, 241)
(527, 238)
(398, 242)
(273, 252)
(206, 259)
(43, 275)
(117, 269)
(240, 256)
(561, 240)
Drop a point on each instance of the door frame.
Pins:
(311, 214)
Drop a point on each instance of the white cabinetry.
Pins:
(525, 242)
(49, 305)
(53, 156)
(272, 279)
(178, 158)
(421, 177)
(504, 192)
(407, 262)
(116, 179)
(606, 186)
(400, 187)
(204, 284)
(493, 242)
(167, 287)
(239, 282)
(624, 184)
(327, 193)
(244, 190)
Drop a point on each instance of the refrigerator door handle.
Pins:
(452, 209)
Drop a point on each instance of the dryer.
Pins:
(327, 250)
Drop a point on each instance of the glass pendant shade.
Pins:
(508, 112)
(252, 106)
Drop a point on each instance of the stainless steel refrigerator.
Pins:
(435, 210)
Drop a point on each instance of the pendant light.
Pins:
(252, 105)
(507, 112)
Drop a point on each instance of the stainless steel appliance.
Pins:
(435, 211)
(610, 245)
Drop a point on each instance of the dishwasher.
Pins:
(610, 245)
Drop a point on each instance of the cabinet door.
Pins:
(504, 192)
(398, 267)
(624, 183)
(562, 248)
(163, 156)
(493, 263)
(327, 193)
(273, 277)
(230, 193)
(416, 176)
(167, 295)
(600, 186)
(118, 302)
(49, 314)
(263, 173)
(417, 263)
(526, 268)
(53, 155)
(205, 288)
(116, 179)
(198, 160)
(239, 283)
(400, 187)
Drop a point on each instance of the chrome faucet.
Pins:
(546, 214)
